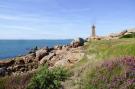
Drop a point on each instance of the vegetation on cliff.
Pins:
(107, 64)
(48, 79)
(113, 74)
(43, 78)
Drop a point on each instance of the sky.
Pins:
(63, 19)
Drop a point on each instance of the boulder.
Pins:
(123, 32)
(3, 71)
(41, 53)
(3, 63)
(6, 63)
(87, 39)
(29, 58)
(64, 46)
(77, 42)
(18, 67)
(22, 69)
(114, 35)
(10, 69)
(62, 62)
(47, 58)
(128, 33)
(50, 49)
(20, 61)
(33, 50)
(58, 47)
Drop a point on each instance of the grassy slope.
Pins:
(112, 48)
(98, 52)
(90, 69)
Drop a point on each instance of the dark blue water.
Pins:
(12, 48)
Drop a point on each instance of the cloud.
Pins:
(16, 27)
(9, 17)
(33, 36)
(29, 21)
(76, 10)
(24, 17)
(36, 19)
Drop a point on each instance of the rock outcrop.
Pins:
(121, 34)
(65, 55)
(77, 42)
(47, 58)
(3, 71)
(41, 53)
(67, 58)
(6, 63)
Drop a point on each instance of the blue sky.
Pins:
(63, 19)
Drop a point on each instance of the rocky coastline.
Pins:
(60, 55)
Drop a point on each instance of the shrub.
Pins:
(48, 79)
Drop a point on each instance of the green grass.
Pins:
(106, 50)
(90, 68)
(112, 48)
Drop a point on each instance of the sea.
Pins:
(13, 48)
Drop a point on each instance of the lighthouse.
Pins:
(93, 31)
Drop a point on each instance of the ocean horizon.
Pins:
(13, 48)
